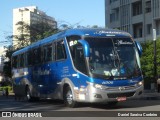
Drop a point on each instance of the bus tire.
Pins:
(68, 98)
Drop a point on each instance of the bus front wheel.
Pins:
(68, 98)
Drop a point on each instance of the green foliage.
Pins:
(29, 34)
(40, 30)
(7, 64)
(7, 69)
(4, 88)
(147, 59)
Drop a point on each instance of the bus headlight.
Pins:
(98, 86)
(140, 83)
(102, 87)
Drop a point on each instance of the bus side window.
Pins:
(21, 60)
(60, 51)
(47, 53)
(25, 60)
(36, 55)
(29, 56)
(14, 61)
(53, 51)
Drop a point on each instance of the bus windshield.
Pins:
(113, 58)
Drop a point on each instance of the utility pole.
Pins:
(155, 58)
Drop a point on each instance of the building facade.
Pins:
(29, 15)
(138, 17)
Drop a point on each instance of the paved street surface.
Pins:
(146, 103)
(149, 102)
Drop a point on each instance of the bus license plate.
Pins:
(121, 98)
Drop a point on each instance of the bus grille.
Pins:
(124, 88)
(115, 95)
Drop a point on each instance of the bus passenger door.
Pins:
(78, 57)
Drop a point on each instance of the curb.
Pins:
(150, 96)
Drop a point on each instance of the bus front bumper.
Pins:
(95, 95)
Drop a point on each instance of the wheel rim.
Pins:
(69, 97)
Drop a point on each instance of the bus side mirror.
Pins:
(85, 47)
(139, 48)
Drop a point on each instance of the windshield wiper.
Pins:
(117, 55)
(103, 76)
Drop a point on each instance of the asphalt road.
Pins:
(57, 108)
(9, 104)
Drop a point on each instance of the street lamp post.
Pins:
(155, 58)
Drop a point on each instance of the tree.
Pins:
(40, 30)
(23, 38)
(147, 61)
(29, 34)
(7, 63)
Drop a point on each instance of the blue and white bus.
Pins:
(80, 65)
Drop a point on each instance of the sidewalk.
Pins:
(11, 94)
(150, 95)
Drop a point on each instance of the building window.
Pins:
(149, 29)
(148, 6)
(137, 8)
(138, 30)
(114, 16)
(111, 1)
(158, 27)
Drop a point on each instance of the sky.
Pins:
(83, 12)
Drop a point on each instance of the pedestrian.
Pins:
(6, 91)
(3, 92)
